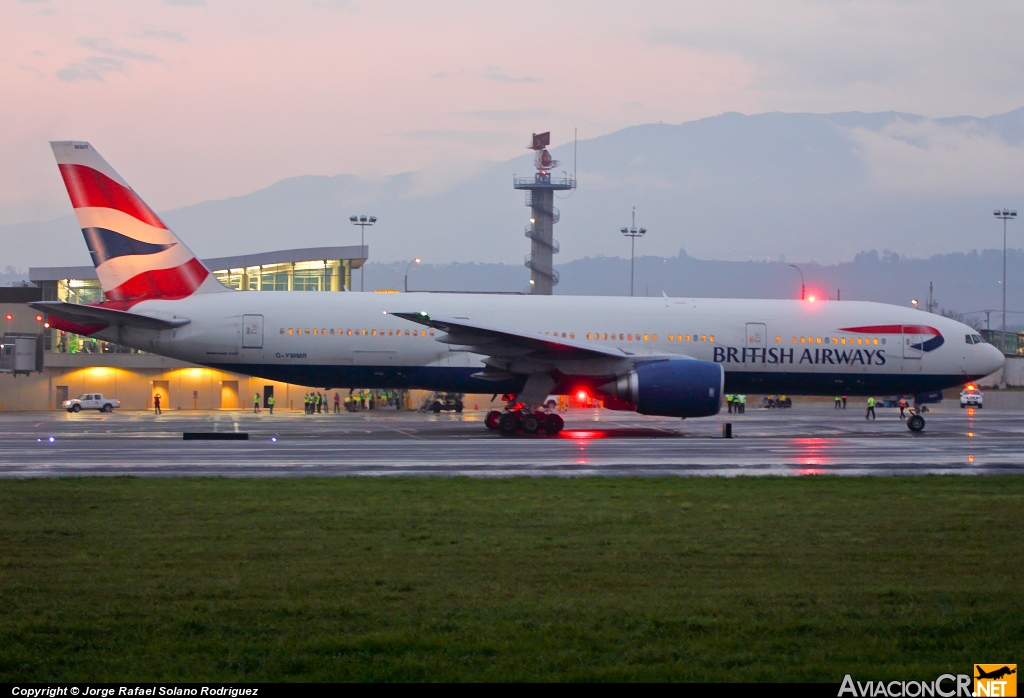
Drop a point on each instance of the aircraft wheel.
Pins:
(508, 423)
(553, 424)
(491, 420)
(458, 406)
(915, 423)
(530, 423)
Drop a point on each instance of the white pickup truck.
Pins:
(91, 401)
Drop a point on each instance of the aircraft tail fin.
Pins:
(136, 256)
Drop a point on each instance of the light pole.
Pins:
(802, 287)
(415, 261)
(1006, 216)
(632, 233)
(362, 222)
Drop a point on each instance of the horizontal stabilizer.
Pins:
(96, 315)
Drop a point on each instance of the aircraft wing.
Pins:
(91, 315)
(543, 360)
(502, 342)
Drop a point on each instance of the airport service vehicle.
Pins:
(658, 356)
(91, 401)
(446, 403)
(970, 396)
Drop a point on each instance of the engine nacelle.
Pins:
(672, 388)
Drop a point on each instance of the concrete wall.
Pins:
(1013, 370)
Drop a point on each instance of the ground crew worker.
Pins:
(839, 402)
(256, 403)
(156, 404)
(337, 402)
(729, 400)
(870, 414)
(903, 407)
(270, 403)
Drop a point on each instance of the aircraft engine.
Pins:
(673, 388)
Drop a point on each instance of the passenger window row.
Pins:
(323, 332)
(835, 340)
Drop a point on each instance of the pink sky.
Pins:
(209, 99)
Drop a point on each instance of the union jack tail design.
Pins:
(137, 257)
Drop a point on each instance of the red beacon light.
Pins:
(582, 395)
(9, 317)
(39, 318)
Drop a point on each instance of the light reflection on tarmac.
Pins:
(810, 439)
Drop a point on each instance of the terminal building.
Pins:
(72, 364)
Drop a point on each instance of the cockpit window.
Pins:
(973, 339)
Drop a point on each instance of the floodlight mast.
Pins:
(362, 221)
(632, 233)
(1005, 215)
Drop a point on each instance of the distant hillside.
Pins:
(962, 283)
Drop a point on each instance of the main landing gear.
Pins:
(517, 418)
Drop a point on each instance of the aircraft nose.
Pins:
(989, 360)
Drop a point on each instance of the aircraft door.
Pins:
(757, 335)
(252, 331)
(913, 343)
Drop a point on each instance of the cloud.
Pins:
(336, 4)
(502, 115)
(113, 59)
(462, 137)
(163, 34)
(493, 73)
(31, 69)
(102, 45)
(91, 68)
(924, 157)
(863, 50)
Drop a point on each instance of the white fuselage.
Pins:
(765, 346)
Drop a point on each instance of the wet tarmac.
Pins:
(809, 439)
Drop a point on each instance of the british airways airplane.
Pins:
(658, 356)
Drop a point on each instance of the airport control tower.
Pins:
(540, 195)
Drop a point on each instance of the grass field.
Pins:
(750, 579)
